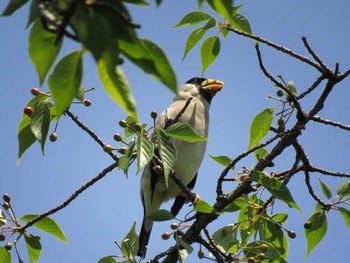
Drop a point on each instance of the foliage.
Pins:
(105, 30)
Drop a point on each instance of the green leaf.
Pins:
(42, 49)
(33, 12)
(260, 153)
(196, 36)
(183, 131)
(151, 59)
(48, 225)
(184, 249)
(246, 218)
(5, 255)
(223, 31)
(204, 207)
(130, 244)
(145, 150)
(108, 259)
(276, 188)
(271, 254)
(260, 126)
(222, 159)
(292, 88)
(210, 49)
(13, 6)
(115, 82)
(33, 247)
(167, 153)
(80, 95)
(327, 191)
(160, 215)
(226, 237)
(236, 205)
(224, 8)
(345, 213)
(3, 219)
(65, 81)
(344, 189)
(40, 122)
(124, 161)
(241, 23)
(316, 232)
(193, 18)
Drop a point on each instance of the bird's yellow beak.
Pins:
(212, 85)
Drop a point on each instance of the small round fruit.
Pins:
(138, 127)
(117, 137)
(107, 148)
(53, 137)
(166, 235)
(243, 176)
(174, 226)
(280, 93)
(263, 247)
(251, 260)
(261, 256)
(200, 254)
(292, 234)
(6, 205)
(154, 115)
(307, 225)
(8, 246)
(158, 169)
(28, 111)
(122, 150)
(6, 198)
(35, 91)
(224, 232)
(87, 103)
(123, 124)
(2, 237)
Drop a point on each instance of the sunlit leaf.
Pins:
(160, 215)
(222, 159)
(292, 88)
(33, 247)
(316, 232)
(241, 23)
(48, 225)
(236, 205)
(226, 236)
(183, 131)
(203, 207)
(260, 126)
(130, 244)
(184, 249)
(65, 81)
(5, 255)
(108, 259)
(13, 6)
(344, 189)
(210, 49)
(345, 213)
(144, 152)
(327, 191)
(42, 49)
(40, 122)
(193, 18)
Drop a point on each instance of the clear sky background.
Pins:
(106, 211)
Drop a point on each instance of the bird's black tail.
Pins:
(143, 240)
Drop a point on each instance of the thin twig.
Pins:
(332, 123)
(169, 122)
(313, 86)
(317, 58)
(71, 198)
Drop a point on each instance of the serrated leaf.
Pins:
(130, 244)
(151, 59)
(193, 18)
(184, 249)
(222, 159)
(203, 207)
(345, 213)
(108, 259)
(13, 6)
(276, 188)
(5, 255)
(183, 131)
(124, 161)
(114, 81)
(65, 81)
(40, 122)
(344, 189)
(42, 49)
(260, 126)
(241, 23)
(210, 50)
(327, 191)
(316, 232)
(160, 215)
(226, 237)
(145, 150)
(48, 225)
(167, 153)
(33, 247)
(196, 35)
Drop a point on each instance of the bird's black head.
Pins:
(207, 87)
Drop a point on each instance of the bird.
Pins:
(153, 189)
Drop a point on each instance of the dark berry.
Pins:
(107, 148)
(8, 246)
(174, 226)
(2, 237)
(166, 235)
(6, 198)
(117, 137)
(263, 247)
(6, 205)
(123, 124)
(28, 111)
(200, 254)
(307, 225)
(292, 234)
(53, 137)
(87, 103)
(251, 260)
(35, 91)
(138, 127)
(154, 114)
(261, 256)
(280, 93)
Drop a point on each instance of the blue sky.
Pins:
(106, 211)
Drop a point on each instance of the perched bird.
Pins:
(189, 155)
